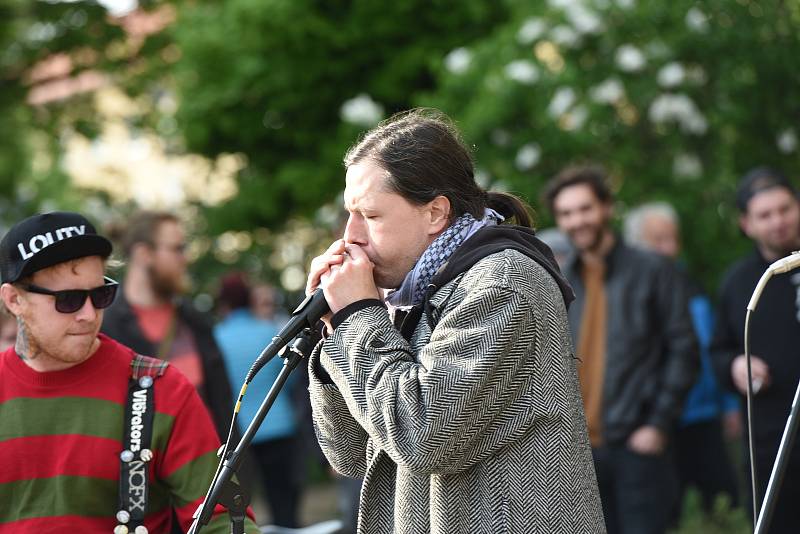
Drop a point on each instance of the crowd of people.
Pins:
(613, 319)
(474, 375)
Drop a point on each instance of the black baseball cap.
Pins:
(48, 239)
(758, 180)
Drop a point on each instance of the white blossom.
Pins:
(687, 165)
(41, 32)
(626, 4)
(361, 110)
(787, 141)
(671, 75)
(531, 30)
(694, 123)
(629, 58)
(669, 106)
(528, 156)
(607, 92)
(564, 36)
(522, 71)
(696, 20)
(584, 20)
(458, 60)
(680, 109)
(561, 102)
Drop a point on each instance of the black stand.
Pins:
(779, 467)
(223, 489)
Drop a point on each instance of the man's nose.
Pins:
(87, 312)
(354, 230)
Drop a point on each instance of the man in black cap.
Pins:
(770, 216)
(96, 437)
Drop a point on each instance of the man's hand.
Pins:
(345, 274)
(758, 369)
(322, 264)
(350, 280)
(647, 439)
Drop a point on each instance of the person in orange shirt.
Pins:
(638, 353)
(151, 316)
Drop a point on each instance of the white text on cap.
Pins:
(40, 241)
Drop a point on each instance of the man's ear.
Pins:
(744, 224)
(439, 209)
(11, 298)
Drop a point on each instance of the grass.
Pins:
(721, 520)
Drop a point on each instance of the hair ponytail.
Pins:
(511, 207)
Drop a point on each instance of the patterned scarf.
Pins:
(416, 281)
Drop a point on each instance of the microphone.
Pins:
(307, 314)
(786, 264)
(782, 265)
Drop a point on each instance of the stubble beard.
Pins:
(29, 347)
(382, 282)
(166, 288)
(387, 281)
(596, 242)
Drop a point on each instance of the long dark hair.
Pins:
(424, 157)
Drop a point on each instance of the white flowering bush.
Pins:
(677, 99)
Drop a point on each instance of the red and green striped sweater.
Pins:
(61, 437)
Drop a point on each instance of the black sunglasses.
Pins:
(72, 300)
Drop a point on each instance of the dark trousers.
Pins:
(276, 461)
(637, 491)
(786, 517)
(703, 462)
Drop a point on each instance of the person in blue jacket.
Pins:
(241, 337)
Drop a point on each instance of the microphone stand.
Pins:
(782, 265)
(779, 467)
(223, 489)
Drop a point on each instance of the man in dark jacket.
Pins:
(151, 317)
(633, 334)
(770, 216)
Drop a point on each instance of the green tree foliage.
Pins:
(14, 154)
(677, 99)
(31, 32)
(268, 78)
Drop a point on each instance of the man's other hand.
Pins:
(647, 439)
(759, 371)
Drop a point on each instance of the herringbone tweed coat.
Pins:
(476, 427)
